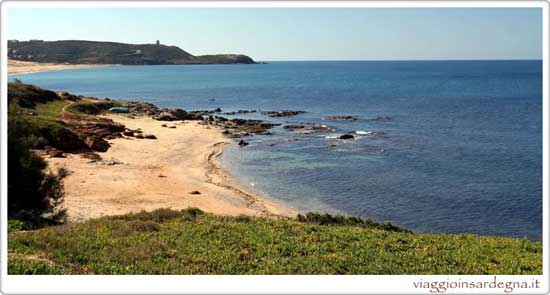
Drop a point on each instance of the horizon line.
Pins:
(455, 59)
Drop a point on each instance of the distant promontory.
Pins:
(96, 52)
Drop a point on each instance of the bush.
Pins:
(327, 219)
(27, 96)
(33, 194)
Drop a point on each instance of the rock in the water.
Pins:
(346, 136)
(381, 118)
(285, 113)
(149, 136)
(97, 143)
(341, 118)
(243, 143)
(294, 126)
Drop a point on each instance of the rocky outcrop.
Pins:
(381, 119)
(308, 128)
(63, 138)
(240, 112)
(236, 128)
(177, 115)
(285, 113)
(96, 143)
(141, 108)
(346, 136)
(341, 118)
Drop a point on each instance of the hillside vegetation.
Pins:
(93, 52)
(193, 242)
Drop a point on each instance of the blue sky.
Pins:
(300, 33)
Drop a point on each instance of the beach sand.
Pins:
(23, 67)
(147, 174)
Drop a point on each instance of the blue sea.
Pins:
(461, 150)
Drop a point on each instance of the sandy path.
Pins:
(23, 67)
(158, 173)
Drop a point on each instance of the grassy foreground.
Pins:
(193, 242)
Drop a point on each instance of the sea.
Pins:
(439, 147)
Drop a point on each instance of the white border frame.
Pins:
(288, 284)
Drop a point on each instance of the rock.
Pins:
(97, 144)
(243, 143)
(101, 129)
(346, 136)
(112, 162)
(134, 130)
(53, 152)
(180, 114)
(149, 136)
(162, 176)
(293, 126)
(139, 135)
(142, 108)
(63, 138)
(165, 117)
(285, 113)
(195, 193)
(128, 133)
(308, 128)
(341, 118)
(381, 118)
(240, 112)
(163, 125)
(218, 110)
(91, 155)
(172, 127)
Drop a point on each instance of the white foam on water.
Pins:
(360, 132)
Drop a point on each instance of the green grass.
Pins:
(193, 242)
(51, 110)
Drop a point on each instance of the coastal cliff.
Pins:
(95, 52)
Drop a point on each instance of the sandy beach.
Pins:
(146, 174)
(23, 67)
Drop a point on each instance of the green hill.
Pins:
(92, 52)
(194, 242)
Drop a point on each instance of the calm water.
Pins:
(462, 152)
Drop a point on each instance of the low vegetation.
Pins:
(33, 193)
(192, 242)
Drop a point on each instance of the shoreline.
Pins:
(17, 67)
(148, 174)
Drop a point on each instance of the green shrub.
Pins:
(328, 219)
(33, 194)
(92, 108)
(27, 96)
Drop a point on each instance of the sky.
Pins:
(269, 34)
